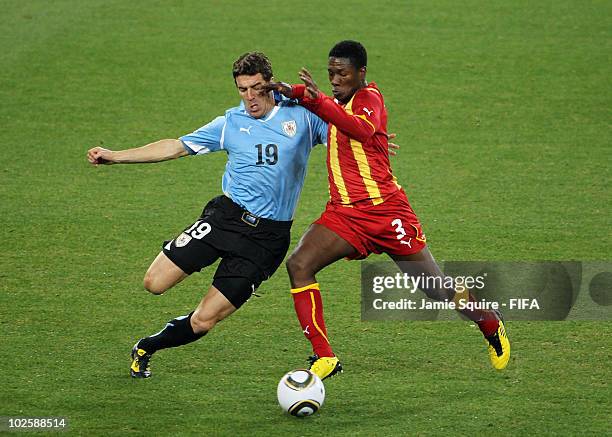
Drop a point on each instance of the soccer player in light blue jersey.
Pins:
(268, 140)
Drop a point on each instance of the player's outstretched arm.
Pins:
(162, 150)
(291, 92)
(356, 125)
(282, 87)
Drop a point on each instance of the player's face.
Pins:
(257, 102)
(344, 78)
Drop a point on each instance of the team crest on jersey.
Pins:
(182, 240)
(290, 128)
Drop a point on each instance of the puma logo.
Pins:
(246, 129)
(368, 111)
(306, 330)
(407, 242)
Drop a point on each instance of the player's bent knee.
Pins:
(152, 284)
(296, 266)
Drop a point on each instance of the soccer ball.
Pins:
(300, 393)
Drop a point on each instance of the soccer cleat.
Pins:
(325, 367)
(140, 363)
(499, 345)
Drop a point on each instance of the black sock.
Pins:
(177, 332)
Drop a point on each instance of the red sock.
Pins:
(486, 320)
(489, 324)
(309, 309)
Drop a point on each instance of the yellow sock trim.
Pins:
(461, 297)
(308, 287)
(314, 320)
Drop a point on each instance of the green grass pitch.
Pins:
(503, 112)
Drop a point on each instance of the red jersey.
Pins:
(357, 148)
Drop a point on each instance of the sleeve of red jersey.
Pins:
(360, 125)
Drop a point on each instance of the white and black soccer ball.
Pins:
(300, 393)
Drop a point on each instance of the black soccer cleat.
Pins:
(324, 367)
(140, 363)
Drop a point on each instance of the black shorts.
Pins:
(250, 248)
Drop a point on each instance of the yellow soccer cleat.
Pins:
(325, 367)
(140, 363)
(499, 346)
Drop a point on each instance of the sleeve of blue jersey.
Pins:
(208, 138)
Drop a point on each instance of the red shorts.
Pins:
(391, 227)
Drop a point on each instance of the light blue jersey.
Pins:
(267, 157)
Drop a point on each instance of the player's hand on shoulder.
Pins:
(100, 155)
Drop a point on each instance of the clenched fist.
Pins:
(99, 155)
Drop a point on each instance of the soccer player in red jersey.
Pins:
(368, 211)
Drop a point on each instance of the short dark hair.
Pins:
(352, 50)
(252, 63)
